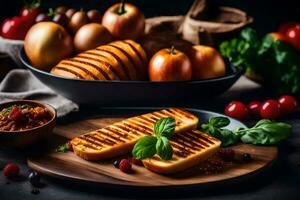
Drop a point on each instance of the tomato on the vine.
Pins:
(236, 110)
(293, 36)
(283, 28)
(30, 11)
(254, 107)
(270, 109)
(288, 104)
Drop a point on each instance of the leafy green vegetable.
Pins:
(164, 148)
(214, 128)
(148, 146)
(165, 127)
(265, 132)
(275, 60)
(145, 147)
(62, 148)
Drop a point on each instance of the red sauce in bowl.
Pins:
(23, 117)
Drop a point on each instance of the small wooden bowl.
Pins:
(25, 138)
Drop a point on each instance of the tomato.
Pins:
(270, 109)
(170, 65)
(293, 36)
(124, 21)
(236, 109)
(254, 108)
(286, 26)
(29, 14)
(15, 28)
(288, 104)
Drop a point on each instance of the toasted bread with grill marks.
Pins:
(120, 137)
(189, 149)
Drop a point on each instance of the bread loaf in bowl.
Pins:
(119, 60)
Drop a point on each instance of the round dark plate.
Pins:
(124, 93)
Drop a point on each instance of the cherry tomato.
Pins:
(254, 108)
(15, 114)
(42, 17)
(288, 104)
(270, 109)
(293, 36)
(15, 28)
(283, 28)
(236, 110)
(30, 11)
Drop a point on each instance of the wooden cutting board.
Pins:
(69, 166)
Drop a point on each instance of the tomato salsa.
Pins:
(23, 117)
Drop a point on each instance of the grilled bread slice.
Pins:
(189, 148)
(120, 137)
(120, 60)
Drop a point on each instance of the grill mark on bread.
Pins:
(102, 62)
(91, 143)
(195, 137)
(99, 69)
(70, 62)
(133, 129)
(125, 136)
(69, 70)
(136, 51)
(90, 139)
(124, 67)
(103, 56)
(105, 140)
(110, 136)
(208, 139)
(143, 118)
(86, 145)
(147, 129)
(185, 114)
(187, 142)
(136, 68)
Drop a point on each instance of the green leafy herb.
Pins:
(164, 148)
(275, 60)
(62, 148)
(265, 132)
(165, 127)
(145, 147)
(159, 144)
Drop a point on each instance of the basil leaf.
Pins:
(165, 127)
(62, 148)
(145, 147)
(266, 132)
(228, 138)
(219, 122)
(164, 148)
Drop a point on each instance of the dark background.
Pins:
(268, 14)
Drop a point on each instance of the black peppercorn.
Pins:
(116, 163)
(246, 157)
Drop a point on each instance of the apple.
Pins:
(124, 21)
(206, 62)
(170, 65)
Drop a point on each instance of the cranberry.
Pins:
(125, 165)
(11, 170)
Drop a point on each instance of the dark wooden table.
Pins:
(281, 182)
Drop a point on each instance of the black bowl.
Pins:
(124, 93)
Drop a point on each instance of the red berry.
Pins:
(254, 108)
(11, 170)
(237, 110)
(137, 161)
(270, 109)
(125, 165)
(288, 104)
